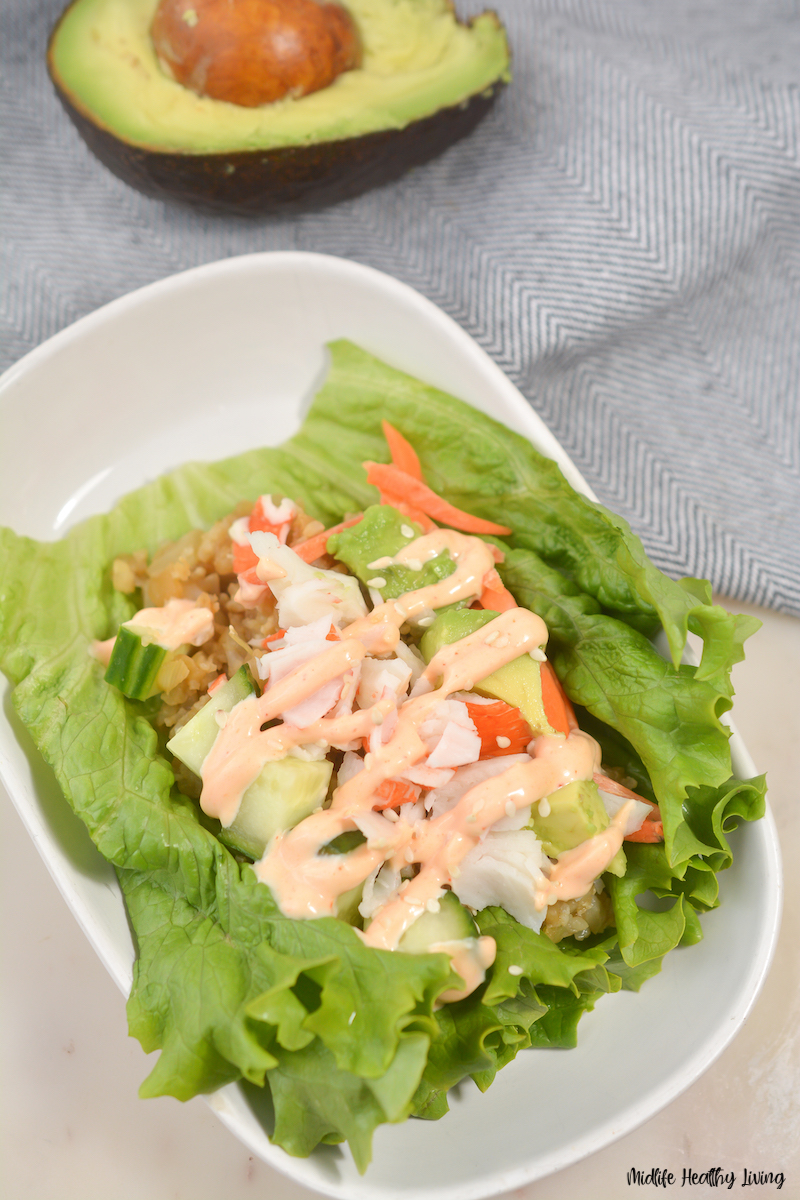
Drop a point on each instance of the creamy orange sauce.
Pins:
(307, 884)
(471, 959)
(178, 623)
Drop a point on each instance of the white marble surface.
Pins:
(72, 1127)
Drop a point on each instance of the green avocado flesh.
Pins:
(417, 59)
(380, 535)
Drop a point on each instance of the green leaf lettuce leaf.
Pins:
(228, 988)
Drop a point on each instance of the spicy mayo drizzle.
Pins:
(307, 884)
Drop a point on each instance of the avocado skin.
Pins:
(282, 180)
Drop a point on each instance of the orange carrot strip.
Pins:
(391, 480)
(314, 547)
(403, 453)
(557, 708)
(499, 720)
(495, 595)
(244, 557)
(217, 683)
(413, 514)
(393, 792)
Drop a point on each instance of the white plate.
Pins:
(221, 359)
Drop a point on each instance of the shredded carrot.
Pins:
(217, 683)
(413, 514)
(499, 720)
(495, 595)
(393, 792)
(244, 557)
(314, 547)
(557, 708)
(403, 453)
(390, 480)
(652, 830)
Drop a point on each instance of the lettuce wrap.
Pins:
(225, 986)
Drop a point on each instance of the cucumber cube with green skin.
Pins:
(285, 793)
(576, 814)
(380, 535)
(518, 683)
(134, 665)
(192, 743)
(452, 923)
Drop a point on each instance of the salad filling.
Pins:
(421, 696)
(345, 679)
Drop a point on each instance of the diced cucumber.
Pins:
(286, 791)
(134, 665)
(452, 923)
(192, 743)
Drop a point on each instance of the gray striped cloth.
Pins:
(622, 235)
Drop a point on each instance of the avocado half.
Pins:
(425, 81)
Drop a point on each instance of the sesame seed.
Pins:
(425, 621)
(414, 564)
(377, 582)
(455, 872)
(502, 641)
(221, 718)
(391, 815)
(514, 969)
(351, 1018)
(491, 637)
(537, 654)
(511, 808)
(544, 807)
(503, 742)
(409, 855)
(377, 716)
(433, 906)
(407, 531)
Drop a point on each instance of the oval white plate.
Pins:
(224, 358)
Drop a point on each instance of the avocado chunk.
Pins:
(380, 535)
(576, 814)
(425, 80)
(518, 683)
(284, 794)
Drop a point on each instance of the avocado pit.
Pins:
(254, 52)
